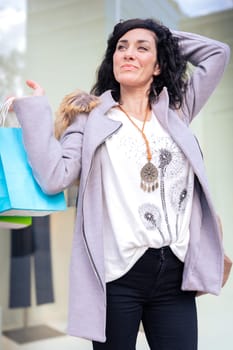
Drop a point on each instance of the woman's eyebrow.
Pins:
(138, 41)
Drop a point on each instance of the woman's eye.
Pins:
(121, 47)
(142, 48)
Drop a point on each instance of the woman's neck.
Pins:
(135, 103)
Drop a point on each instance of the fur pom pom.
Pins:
(73, 104)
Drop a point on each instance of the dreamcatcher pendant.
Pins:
(149, 177)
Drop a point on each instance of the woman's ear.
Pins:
(156, 70)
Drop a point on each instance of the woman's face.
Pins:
(135, 59)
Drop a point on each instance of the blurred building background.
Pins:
(60, 44)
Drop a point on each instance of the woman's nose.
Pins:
(129, 54)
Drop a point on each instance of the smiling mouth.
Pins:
(128, 67)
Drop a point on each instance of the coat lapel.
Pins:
(181, 134)
(98, 128)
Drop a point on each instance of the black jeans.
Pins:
(150, 292)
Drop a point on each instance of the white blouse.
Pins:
(135, 220)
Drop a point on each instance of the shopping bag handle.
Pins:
(4, 109)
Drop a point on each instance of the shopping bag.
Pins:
(15, 222)
(20, 194)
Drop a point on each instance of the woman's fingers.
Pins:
(7, 100)
(38, 90)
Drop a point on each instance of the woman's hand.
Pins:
(37, 89)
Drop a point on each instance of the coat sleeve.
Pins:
(208, 59)
(55, 164)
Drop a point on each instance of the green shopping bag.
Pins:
(15, 222)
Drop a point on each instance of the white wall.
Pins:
(65, 44)
(165, 11)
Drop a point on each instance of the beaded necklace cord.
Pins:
(149, 172)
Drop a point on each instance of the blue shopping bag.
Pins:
(20, 194)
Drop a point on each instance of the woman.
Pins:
(146, 229)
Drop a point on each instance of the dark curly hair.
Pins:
(172, 63)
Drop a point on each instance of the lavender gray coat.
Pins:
(57, 164)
